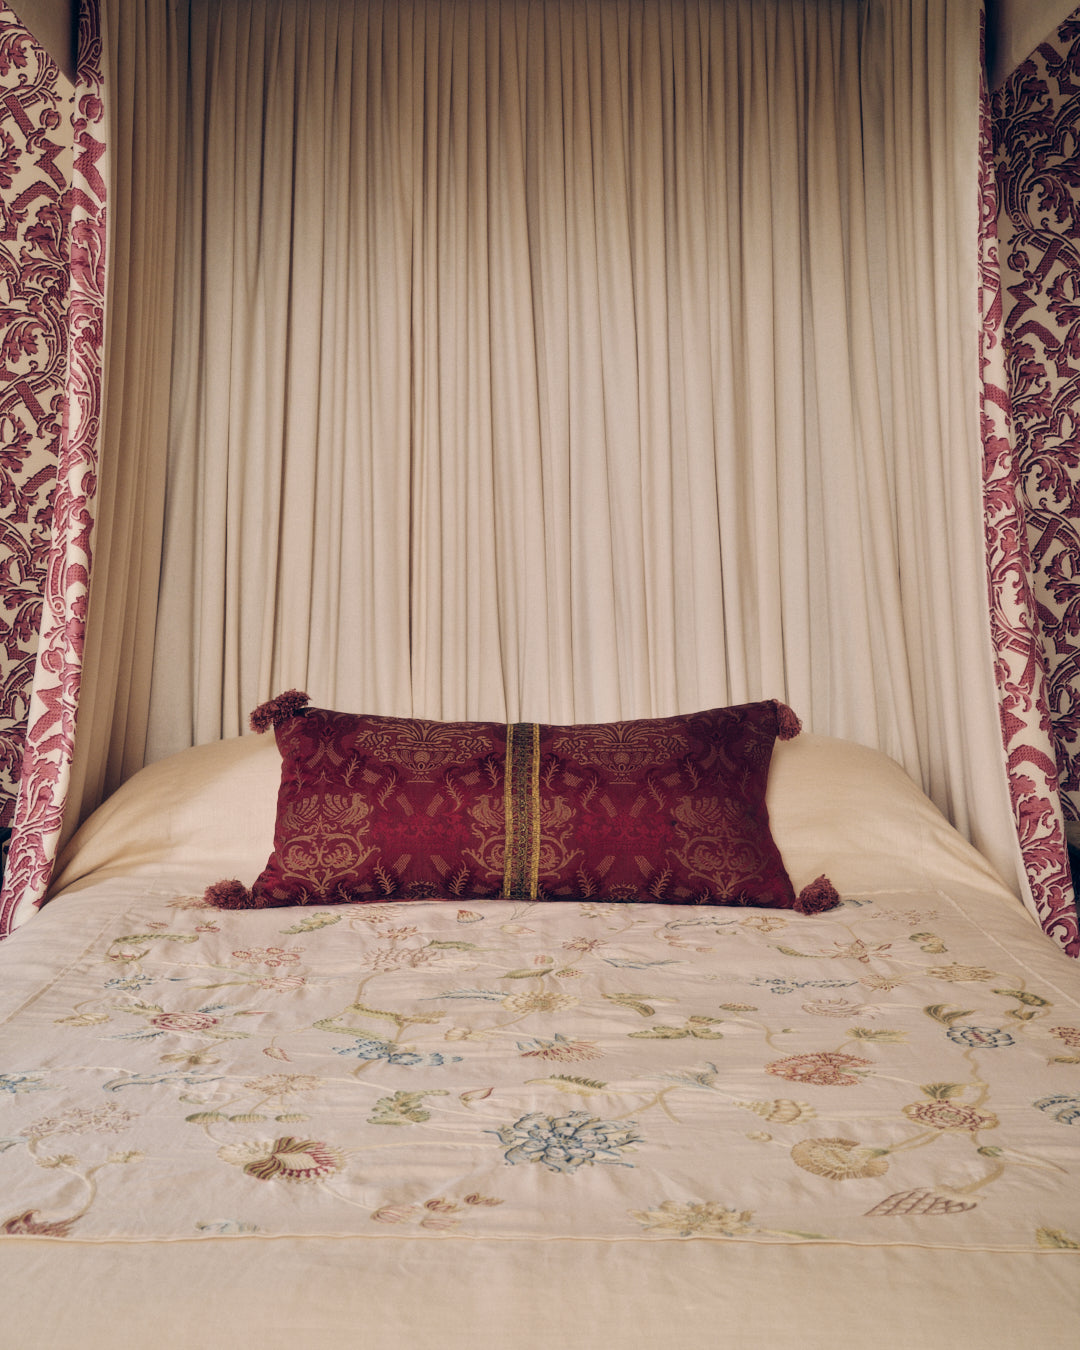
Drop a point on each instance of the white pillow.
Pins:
(835, 807)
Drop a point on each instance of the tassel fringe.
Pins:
(787, 724)
(231, 895)
(281, 709)
(819, 896)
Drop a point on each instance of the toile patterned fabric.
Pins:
(884, 1074)
(35, 165)
(378, 808)
(1034, 123)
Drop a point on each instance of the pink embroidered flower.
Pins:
(942, 1114)
(826, 1068)
(1070, 1035)
(288, 1158)
(189, 1021)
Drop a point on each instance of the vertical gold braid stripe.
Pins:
(534, 810)
(521, 801)
(508, 814)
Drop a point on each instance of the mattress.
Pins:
(454, 1122)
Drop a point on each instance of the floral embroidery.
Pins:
(826, 1068)
(369, 1048)
(1061, 1108)
(703, 1218)
(1070, 1035)
(194, 1021)
(980, 1038)
(950, 1115)
(839, 1159)
(22, 1082)
(783, 1111)
(268, 956)
(784, 986)
(81, 1120)
(957, 972)
(565, 1143)
(559, 1048)
(288, 1158)
(539, 1000)
(272, 1085)
(839, 1007)
(403, 1108)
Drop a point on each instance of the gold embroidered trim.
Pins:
(521, 800)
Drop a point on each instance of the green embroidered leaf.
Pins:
(248, 1118)
(527, 974)
(881, 1037)
(661, 1034)
(311, 922)
(790, 951)
(441, 946)
(1054, 1237)
(941, 1092)
(561, 1082)
(940, 1012)
(1022, 996)
(635, 1001)
(1022, 1014)
(403, 1108)
(206, 1117)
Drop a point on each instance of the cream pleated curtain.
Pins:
(580, 359)
(532, 359)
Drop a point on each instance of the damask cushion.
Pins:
(668, 810)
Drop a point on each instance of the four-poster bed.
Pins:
(585, 362)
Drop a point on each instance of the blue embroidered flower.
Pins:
(371, 1048)
(21, 1082)
(565, 1143)
(1061, 1108)
(780, 985)
(980, 1038)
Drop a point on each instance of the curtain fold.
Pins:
(579, 361)
(88, 715)
(554, 360)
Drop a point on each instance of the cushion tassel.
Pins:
(787, 724)
(281, 709)
(231, 895)
(820, 895)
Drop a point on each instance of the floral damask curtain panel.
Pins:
(566, 361)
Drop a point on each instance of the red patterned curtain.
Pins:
(1020, 659)
(50, 737)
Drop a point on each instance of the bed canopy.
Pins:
(527, 359)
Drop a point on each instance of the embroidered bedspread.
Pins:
(886, 1073)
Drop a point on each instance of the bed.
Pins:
(476, 1122)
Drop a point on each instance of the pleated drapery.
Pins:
(568, 360)
(573, 361)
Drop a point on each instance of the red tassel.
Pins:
(231, 895)
(787, 724)
(819, 896)
(281, 709)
